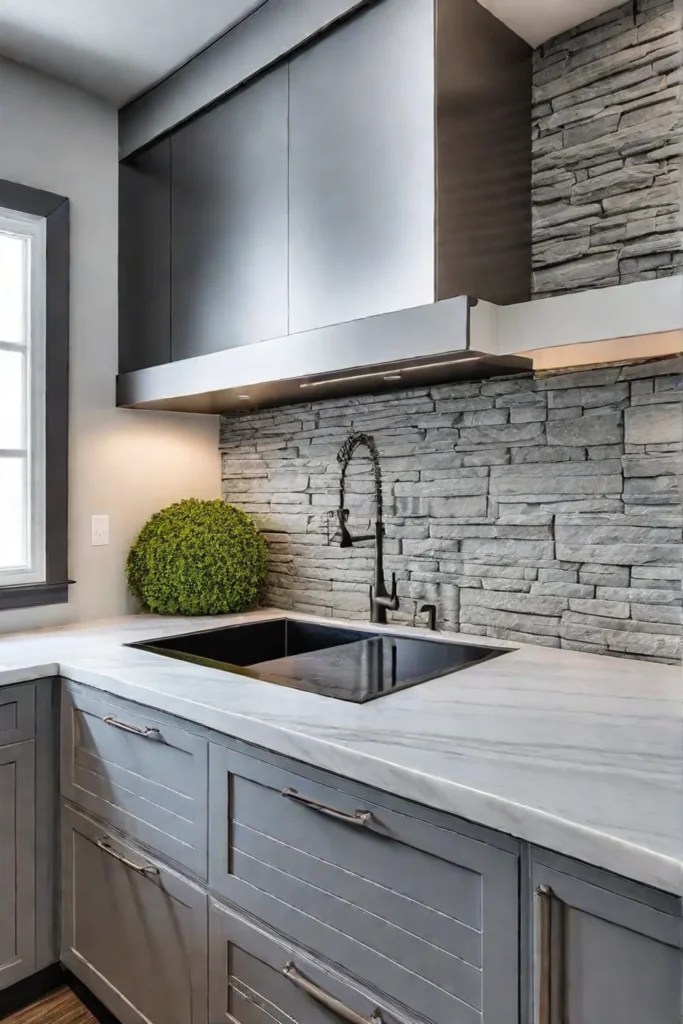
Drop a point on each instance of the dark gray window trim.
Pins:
(55, 210)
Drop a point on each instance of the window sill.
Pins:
(33, 595)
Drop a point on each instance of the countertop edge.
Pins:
(29, 674)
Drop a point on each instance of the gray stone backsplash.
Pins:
(519, 523)
(607, 143)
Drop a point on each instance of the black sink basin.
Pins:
(254, 642)
(350, 664)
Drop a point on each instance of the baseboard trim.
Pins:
(91, 1002)
(29, 990)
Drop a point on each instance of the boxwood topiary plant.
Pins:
(198, 558)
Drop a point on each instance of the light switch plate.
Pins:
(100, 530)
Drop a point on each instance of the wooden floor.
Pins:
(60, 1007)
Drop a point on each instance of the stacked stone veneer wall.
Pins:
(608, 131)
(544, 510)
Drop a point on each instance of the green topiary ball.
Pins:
(198, 558)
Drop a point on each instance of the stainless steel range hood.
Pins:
(409, 190)
(409, 348)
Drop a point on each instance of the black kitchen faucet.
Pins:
(381, 600)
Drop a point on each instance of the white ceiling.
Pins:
(119, 48)
(114, 48)
(538, 20)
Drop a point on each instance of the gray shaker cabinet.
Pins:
(139, 770)
(28, 808)
(602, 954)
(229, 222)
(416, 910)
(132, 930)
(17, 862)
(377, 902)
(145, 258)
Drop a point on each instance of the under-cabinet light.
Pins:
(382, 373)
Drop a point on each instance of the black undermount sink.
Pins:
(350, 664)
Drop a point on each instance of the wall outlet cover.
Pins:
(100, 530)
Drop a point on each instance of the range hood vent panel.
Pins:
(410, 348)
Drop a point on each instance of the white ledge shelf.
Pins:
(632, 311)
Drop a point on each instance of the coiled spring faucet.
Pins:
(381, 601)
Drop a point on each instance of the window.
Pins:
(34, 346)
(22, 399)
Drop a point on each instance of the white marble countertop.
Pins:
(574, 752)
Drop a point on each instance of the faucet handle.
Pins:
(431, 611)
(346, 540)
(393, 599)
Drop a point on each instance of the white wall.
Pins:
(122, 462)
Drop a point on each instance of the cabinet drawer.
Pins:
(248, 983)
(420, 912)
(17, 713)
(139, 771)
(132, 930)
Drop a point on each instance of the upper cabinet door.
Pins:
(144, 258)
(229, 222)
(362, 168)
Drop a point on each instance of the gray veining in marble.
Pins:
(579, 753)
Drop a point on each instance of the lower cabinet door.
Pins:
(602, 957)
(258, 978)
(132, 930)
(17, 862)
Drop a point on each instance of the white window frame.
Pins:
(33, 229)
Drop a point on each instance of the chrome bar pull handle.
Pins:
(142, 869)
(147, 734)
(544, 897)
(325, 999)
(358, 817)
(552, 955)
